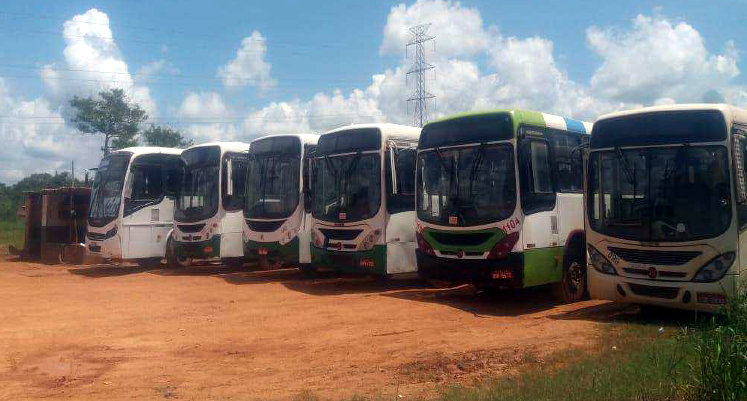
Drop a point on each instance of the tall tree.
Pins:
(111, 115)
(165, 137)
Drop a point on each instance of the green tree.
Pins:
(165, 137)
(111, 115)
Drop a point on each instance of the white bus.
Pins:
(666, 209)
(363, 204)
(500, 201)
(208, 220)
(277, 205)
(132, 205)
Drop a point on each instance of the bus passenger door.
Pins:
(538, 197)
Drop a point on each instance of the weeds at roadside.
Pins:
(12, 233)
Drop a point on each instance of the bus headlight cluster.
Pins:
(715, 269)
(370, 240)
(600, 263)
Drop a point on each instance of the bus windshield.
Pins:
(273, 188)
(198, 192)
(347, 188)
(658, 194)
(106, 194)
(466, 186)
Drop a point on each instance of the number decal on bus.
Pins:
(511, 225)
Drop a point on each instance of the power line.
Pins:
(420, 96)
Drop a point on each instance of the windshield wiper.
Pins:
(626, 167)
(351, 167)
(476, 167)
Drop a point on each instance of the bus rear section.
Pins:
(277, 201)
(363, 218)
(500, 203)
(132, 205)
(666, 202)
(208, 221)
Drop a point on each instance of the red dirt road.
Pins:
(215, 333)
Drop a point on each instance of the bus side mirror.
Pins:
(306, 188)
(127, 193)
(739, 175)
(393, 164)
(229, 177)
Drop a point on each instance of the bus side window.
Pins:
(404, 200)
(537, 189)
(239, 166)
(568, 164)
(742, 207)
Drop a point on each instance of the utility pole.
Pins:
(420, 96)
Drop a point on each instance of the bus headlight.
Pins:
(369, 242)
(715, 269)
(600, 263)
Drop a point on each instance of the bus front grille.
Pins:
(264, 226)
(340, 235)
(660, 258)
(654, 292)
(461, 239)
(191, 228)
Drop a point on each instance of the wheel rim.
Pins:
(574, 278)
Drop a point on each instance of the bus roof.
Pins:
(144, 150)
(231, 146)
(305, 138)
(387, 130)
(732, 113)
(529, 117)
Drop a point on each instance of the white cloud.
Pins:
(92, 63)
(35, 139)
(154, 68)
(657, 58)
(459, 29)
(249, 68)
(207, 117)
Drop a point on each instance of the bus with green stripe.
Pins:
(499, 200)
(363, 200)
(277, 203)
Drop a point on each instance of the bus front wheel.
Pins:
(173, 261)
(572, 286)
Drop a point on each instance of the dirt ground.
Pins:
(103, 332)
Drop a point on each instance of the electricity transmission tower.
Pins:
(420, 96)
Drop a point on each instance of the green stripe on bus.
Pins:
(543, 266)
(288, 253)
(529, 118)
(350, 261)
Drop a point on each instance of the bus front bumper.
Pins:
(360, 262)
(273, 252)
(507, 272)
(208, 249)
(704, 297)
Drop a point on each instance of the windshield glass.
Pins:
(466, 186)
(198, 192)
(347, 188)
(679, 193)
(106, 194)
(273, 188)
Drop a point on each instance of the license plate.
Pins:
(262, 251)
(503, 274)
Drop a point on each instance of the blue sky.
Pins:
(310, 66)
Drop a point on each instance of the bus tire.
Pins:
(307, 270)
(149, 263)
(172, 260)
(572, 286)
(235, 263)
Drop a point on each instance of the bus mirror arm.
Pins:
(393, 149)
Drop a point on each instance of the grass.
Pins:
(11, 233)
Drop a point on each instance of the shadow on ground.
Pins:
(614, 312)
